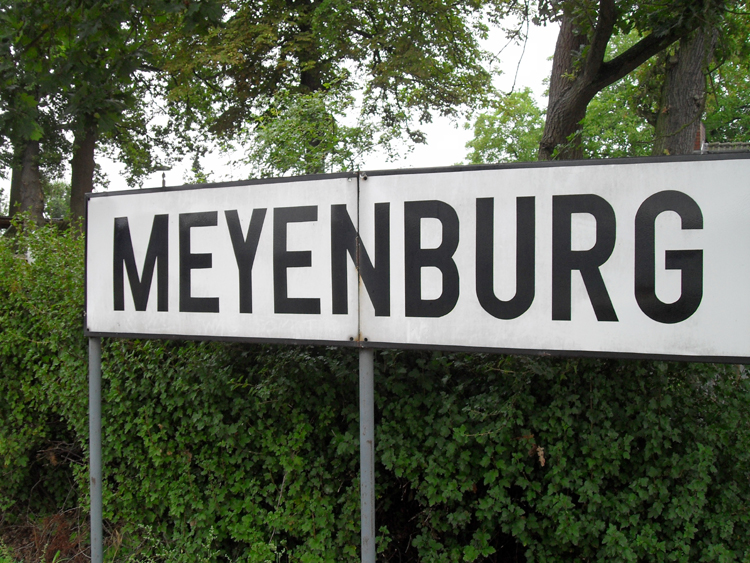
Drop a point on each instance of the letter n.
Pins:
(157, 254)
(376, 279)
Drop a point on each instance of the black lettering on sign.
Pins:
(284, 259)
(565, 260)
(189, 262)
(245, 248)
(525, 251)
(157, 254)
(416, 258)
(690, 262)
(376, 279)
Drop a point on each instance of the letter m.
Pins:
(157, 255)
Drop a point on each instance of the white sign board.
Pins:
(644, 258)
(231, 262)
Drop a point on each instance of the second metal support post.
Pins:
(367, 452)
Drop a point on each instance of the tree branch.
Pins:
(602, 34)
(625, 63)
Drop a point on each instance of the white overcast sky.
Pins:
(446, 139)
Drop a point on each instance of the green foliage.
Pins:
(67, 67)
(27, 79)
(43, 361)
(197, 174)
(727, 105)
(275, 65)
(573, 459)
(511, 133)
(56, 200)
(627, 111)
(303, 134)
(5, 554)
(612, 127)
(255, 446)
(620, 120)
(248, 453)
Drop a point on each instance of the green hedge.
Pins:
(43, 361)
(229, 452)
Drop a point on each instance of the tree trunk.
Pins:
(311, 81)
(15, 182)
(684, 94)
(82, 169)
(14, 203)
(31, 194)
(567, 106)
(579, 72)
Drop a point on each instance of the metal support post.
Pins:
(95, 447)
(367, 453)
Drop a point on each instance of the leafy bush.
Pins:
(5, 555)
(43, 391)
(232, 452)
(569, 460)
(255, 446)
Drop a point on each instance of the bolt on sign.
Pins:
(640, 257)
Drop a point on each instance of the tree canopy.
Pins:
(267, 62)
(73, 74)
(337, 78)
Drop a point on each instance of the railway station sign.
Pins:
(630, 258)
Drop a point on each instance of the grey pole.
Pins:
(95, 447)
(367, 453)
